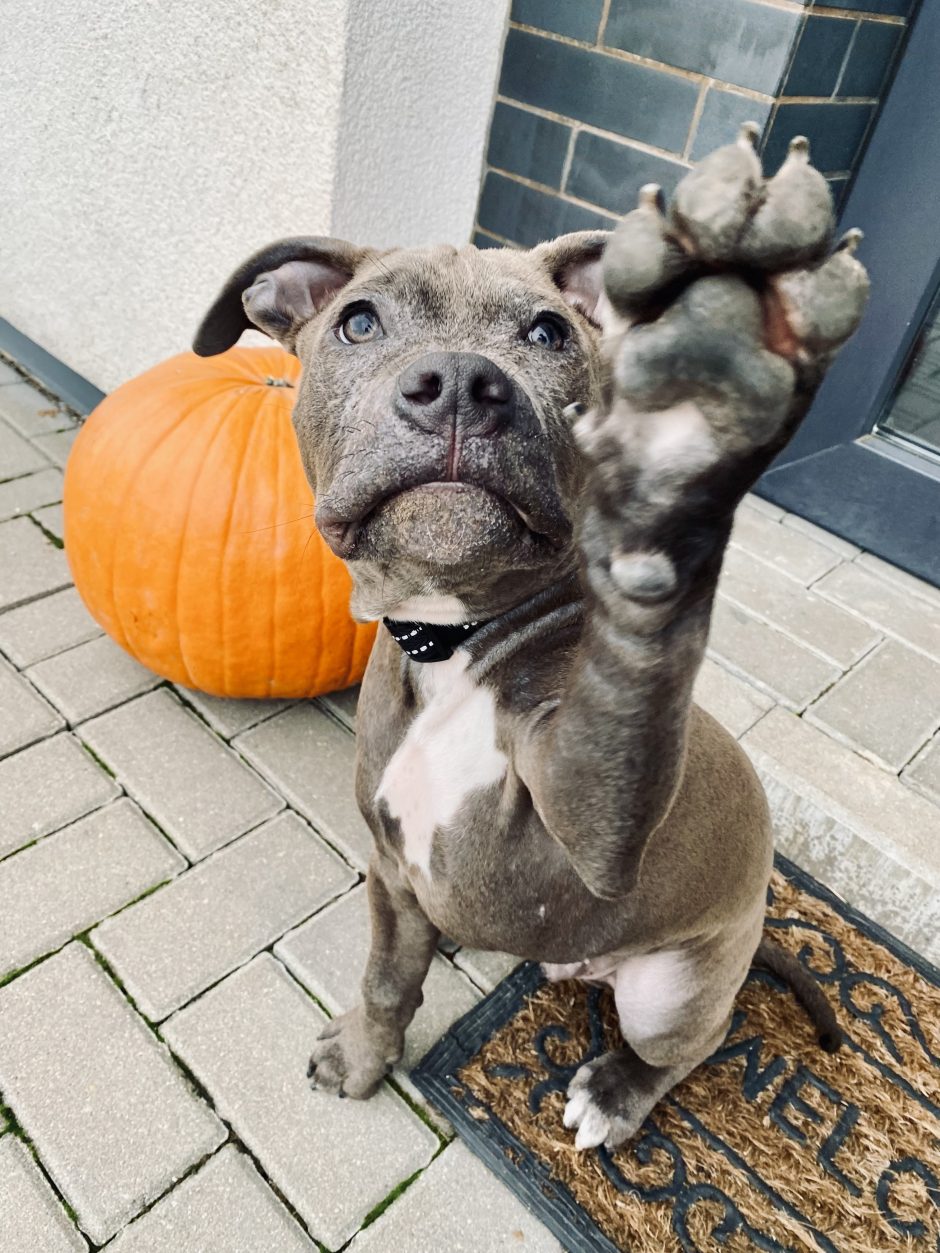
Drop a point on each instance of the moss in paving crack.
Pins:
(383, 1205)
(50, 535)
(420, 1112)
(15, 974)
(94, 756)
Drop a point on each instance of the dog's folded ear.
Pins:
(575, 265)
(279, 289)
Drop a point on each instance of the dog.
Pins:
(530, 461)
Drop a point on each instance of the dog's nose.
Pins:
(462, 388)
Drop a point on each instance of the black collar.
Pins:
(427, 641)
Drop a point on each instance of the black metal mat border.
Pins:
(524, 1173)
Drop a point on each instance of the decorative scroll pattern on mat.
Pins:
(771, 1145)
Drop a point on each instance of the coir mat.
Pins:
(771, 1145)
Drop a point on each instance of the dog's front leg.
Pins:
(358, 1049)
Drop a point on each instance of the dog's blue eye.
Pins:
(359, 327)
(547, 333)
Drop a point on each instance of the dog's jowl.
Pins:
(530, 462)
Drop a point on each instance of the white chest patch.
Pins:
(449, 752)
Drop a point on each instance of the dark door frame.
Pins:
(839, 472)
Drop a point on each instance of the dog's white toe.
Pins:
(576, 1108)
(594, 1129)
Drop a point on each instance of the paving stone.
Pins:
(248, 1042)
(31, 1218)
(803, 615)
(892, 607)
(62, 885)
(342, 705)
(859, 794)
(176, 943)
(47, 786)
(32, 491)
(24, 716)
(841, 547)
(886, 708)
(328, 955)
(225, 1207)
(45, 627)
(31, 564)
(17, 455)
(230, 717)
(795, 555)
(735, 704)
(923, 774)
(32, 413)
(311, 761)
(8, 374)
(182, 774)
(457, 1205)
(57, 445)
(766, 507)
(51, 519)
(900, 578)
(112, 1118)
(768, 658)
(485, 969)
(91, 678)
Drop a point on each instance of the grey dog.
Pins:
(530, 461)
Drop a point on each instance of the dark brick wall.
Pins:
(598, 97)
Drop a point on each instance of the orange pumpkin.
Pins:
(189, 530)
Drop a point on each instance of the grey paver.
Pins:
(111, 1117)
(768, 658)
(766, 507)
(803, 615)
(182, 774)
(32, 1219)
(57, 445)
(46, 627)
(342, 705)
(63, 884)
(892, 607)
(923, 773)
(248, 1042)
(32, 413)
(457, 1205)
(17, 455)
(32, 491)
(51, 519)
(24, 716)
(311, 760)
(328, 955)
(485, 969)
(735, 704)
(887, 707)
(795, 555)
(228, 716)
(90, 678)
(46, 786)
(177, 942)
(31, 563)
(900, 578)
(841, 547)
(8, 375)
(225, 1207)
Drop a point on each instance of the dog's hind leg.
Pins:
(674, 1008)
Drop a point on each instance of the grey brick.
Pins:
(900, 578)
(31, 565)
(8, 375)
(342, 705)
(46, 786)
(783, 548)
(22, 495)
(174, 944)
(734, 703)
(57, 445)
(45, 627)
(485, 969)
(328, 955)
(923, 774)
(311, 761)
(59, 887)
(32, 413)
(457, 1205)
(526, 215)
(768, 658)
(887, 707)
(248, 1042)
(24, 715)
(578, 19)
(182, 774)
(17, 455)
(31, 1217)
(51, 519)
(890, 605)
(757, 504)
(225, 1207)
(804, 616)
(91, 678)
(230, 717)
(840, 546)
(113, 1120)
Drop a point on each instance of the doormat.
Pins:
(772, 1144)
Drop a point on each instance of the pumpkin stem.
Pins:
(278, 382)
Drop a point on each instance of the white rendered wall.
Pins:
(147, 146)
